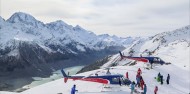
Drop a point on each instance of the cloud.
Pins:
(116, 17)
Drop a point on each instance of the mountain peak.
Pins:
(78, 28)
(20, 17)
(58, 23)
(104, 35)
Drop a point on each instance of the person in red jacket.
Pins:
(139, 72)
(127, 75)
(142, 83)
(155, 90)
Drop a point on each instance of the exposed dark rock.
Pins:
(95, 65)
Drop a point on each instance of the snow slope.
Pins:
(178, 84)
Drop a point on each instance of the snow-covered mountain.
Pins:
(167, 45)
(29, 47)
(24, 27)
(173, 47)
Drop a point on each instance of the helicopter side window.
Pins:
(159, 60)
(115, 79)
(155, 59)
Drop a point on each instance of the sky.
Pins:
(115, 17)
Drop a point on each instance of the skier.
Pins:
(158, 74)
(108, 72)
(73, 90)
(138, 80)
(155, 90)
(119, 81)
(161, 79)
(145, 89)
(158, 77)
(132, 87)
(139, 72)
(168, 79)
(127, 76)
(141, 83)
(151, 63)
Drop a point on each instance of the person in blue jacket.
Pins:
(138, 81)
(132, 87)
(73, 89)
(145, 89)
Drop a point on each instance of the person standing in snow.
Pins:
(119, 81)
(151, 63)
(73, 89)
(108, 72)
(132, 87)
(155, 90)
(159, 74)
(158, 77)
(141, 83)
(145, 89)
(161, 79)
(127, 76)
(139, 72)
(168, 79)
(138, 80)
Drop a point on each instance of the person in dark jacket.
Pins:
(168, 79)
(119, 81)
(158, 77)
(73, 89)
(159, 74)
(145, 89)
(161, 79)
